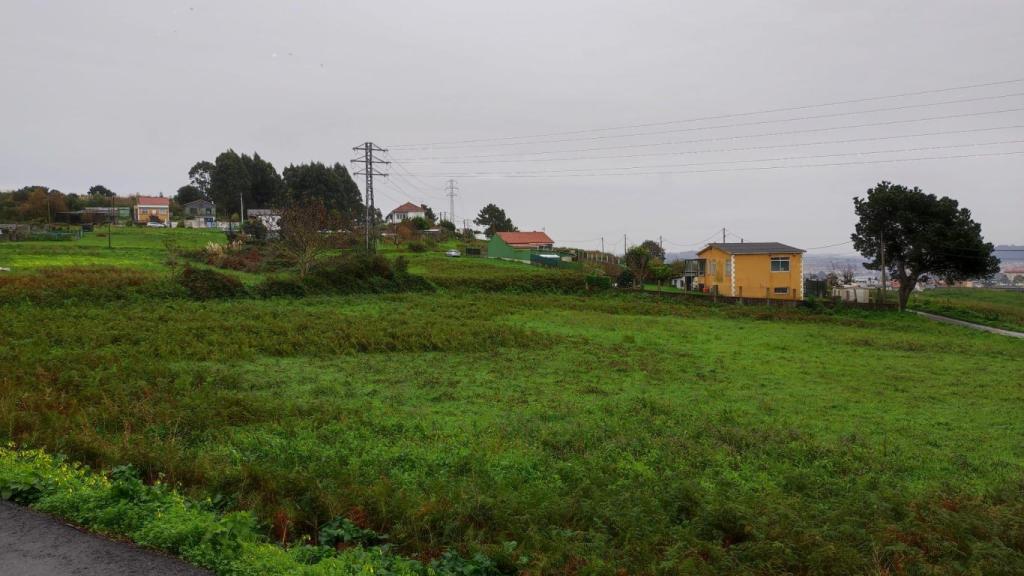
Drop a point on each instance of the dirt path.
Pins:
(34, 544)
(948, 320)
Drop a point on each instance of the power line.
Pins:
(829, 246)
(740, 136)
(720, 116)
(753, 168)
(741, 124)
(747, 161)
(701, 243)
(724, 150)
(401, 168)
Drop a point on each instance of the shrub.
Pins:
(360, 273)
(342, 532)
(597, 282)
(255, 229)
(625, 279)
(417, 247)
(249, 259)
(205, 284)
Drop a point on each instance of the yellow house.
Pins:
(753, 270)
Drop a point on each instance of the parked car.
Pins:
(154, 225)
(453, 253)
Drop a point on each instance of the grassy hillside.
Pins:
(555, 433)
(998, 308)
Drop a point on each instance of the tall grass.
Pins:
(598, 434)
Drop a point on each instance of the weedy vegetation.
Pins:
(490, 417)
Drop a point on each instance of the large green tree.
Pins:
(265, 184)
(654, 249)
(200, 175)
(331, 185)
(100, 190)
(639, 260)
(188, 193)
(230, 183)
(920, 234)
(494, 220)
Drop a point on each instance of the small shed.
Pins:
(852, 293)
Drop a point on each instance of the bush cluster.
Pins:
(361, 274)
(598, 282)
(206, 284)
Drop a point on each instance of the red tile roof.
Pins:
(408, 207)
(525, 238)
(154, 201)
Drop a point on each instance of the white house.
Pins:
(406, 211)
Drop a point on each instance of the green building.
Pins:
(518, 245)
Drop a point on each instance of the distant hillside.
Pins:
(1010, 255)
(673, 256)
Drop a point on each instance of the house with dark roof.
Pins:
(769, 270)
(406, 211)
(200, 214)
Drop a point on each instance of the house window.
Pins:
(782, 290)
(780, 263)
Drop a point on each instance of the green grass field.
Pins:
(998, 308)
(555, 433)
(136, 248)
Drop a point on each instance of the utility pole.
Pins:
(723, 235)
(602, 244)
(624, 246)
(110, 217)
(452, 189)
(368, 160)
(661, 244)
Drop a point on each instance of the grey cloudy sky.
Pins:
(130, 94)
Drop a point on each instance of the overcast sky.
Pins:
(130, 94)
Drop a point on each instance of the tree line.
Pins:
(42, 204)
(233, 179)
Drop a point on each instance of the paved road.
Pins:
(948, 320)
(34, 544)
